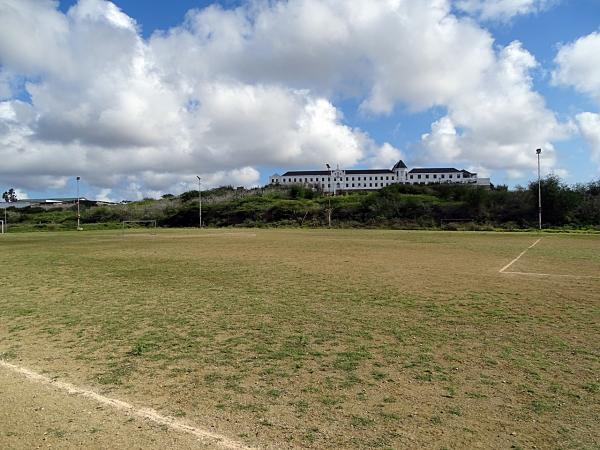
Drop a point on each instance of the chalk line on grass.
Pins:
(144, 413)
(536, 274)
(519, 257)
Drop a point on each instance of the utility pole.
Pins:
(329, 197)
(199, 201)
(78, 214)
(539, 151)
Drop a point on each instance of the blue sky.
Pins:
(104, 90)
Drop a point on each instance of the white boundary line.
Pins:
(519, 257)
(144, 413)
(535, 274)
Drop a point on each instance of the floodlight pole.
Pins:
(539, 151)
(5, 222)
(78, 215)
(199, 201)
(329, 196)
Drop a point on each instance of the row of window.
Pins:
(435, 176)
(313, 180)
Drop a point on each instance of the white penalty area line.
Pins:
(144, 413)
(535, 274)
(519, 257)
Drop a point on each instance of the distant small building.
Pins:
(54, 202)
(335, 180)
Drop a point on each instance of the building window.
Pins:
(450, 176)
(458, 175)
(434, 176)
(419, 177)
(427, 176)
(387, 178)
(370, 184)
(442, 176)
(411, 177)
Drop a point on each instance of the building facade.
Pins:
(338, 180)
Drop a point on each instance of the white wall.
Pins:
(369, 181)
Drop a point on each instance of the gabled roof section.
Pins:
(399, 165)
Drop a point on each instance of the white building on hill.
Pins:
(336, 180)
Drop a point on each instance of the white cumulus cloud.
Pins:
(578, 65)
(589, 126)
(232, 91)
(499, 123)
(502, 10)
(106, 105)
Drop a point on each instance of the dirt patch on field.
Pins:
(38, 416)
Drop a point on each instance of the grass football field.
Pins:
(323, 339)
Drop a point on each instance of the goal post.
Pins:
(1, 226)
(445, 221)
(138, 223)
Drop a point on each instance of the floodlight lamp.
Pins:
(538, 151)
(78, 178)
(328, 166)
(198, 177)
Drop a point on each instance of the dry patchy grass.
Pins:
(320, 339)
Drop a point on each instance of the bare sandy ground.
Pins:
(34, 416)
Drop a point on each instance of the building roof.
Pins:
(52, 200)
(435, 170)
(399, 165)
(441, 170)
(303, 173)
(17, 204)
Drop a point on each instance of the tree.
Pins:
(559, 201)
(10, 196)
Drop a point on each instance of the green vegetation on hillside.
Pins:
(396, 206)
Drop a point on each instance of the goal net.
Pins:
(139, 224)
